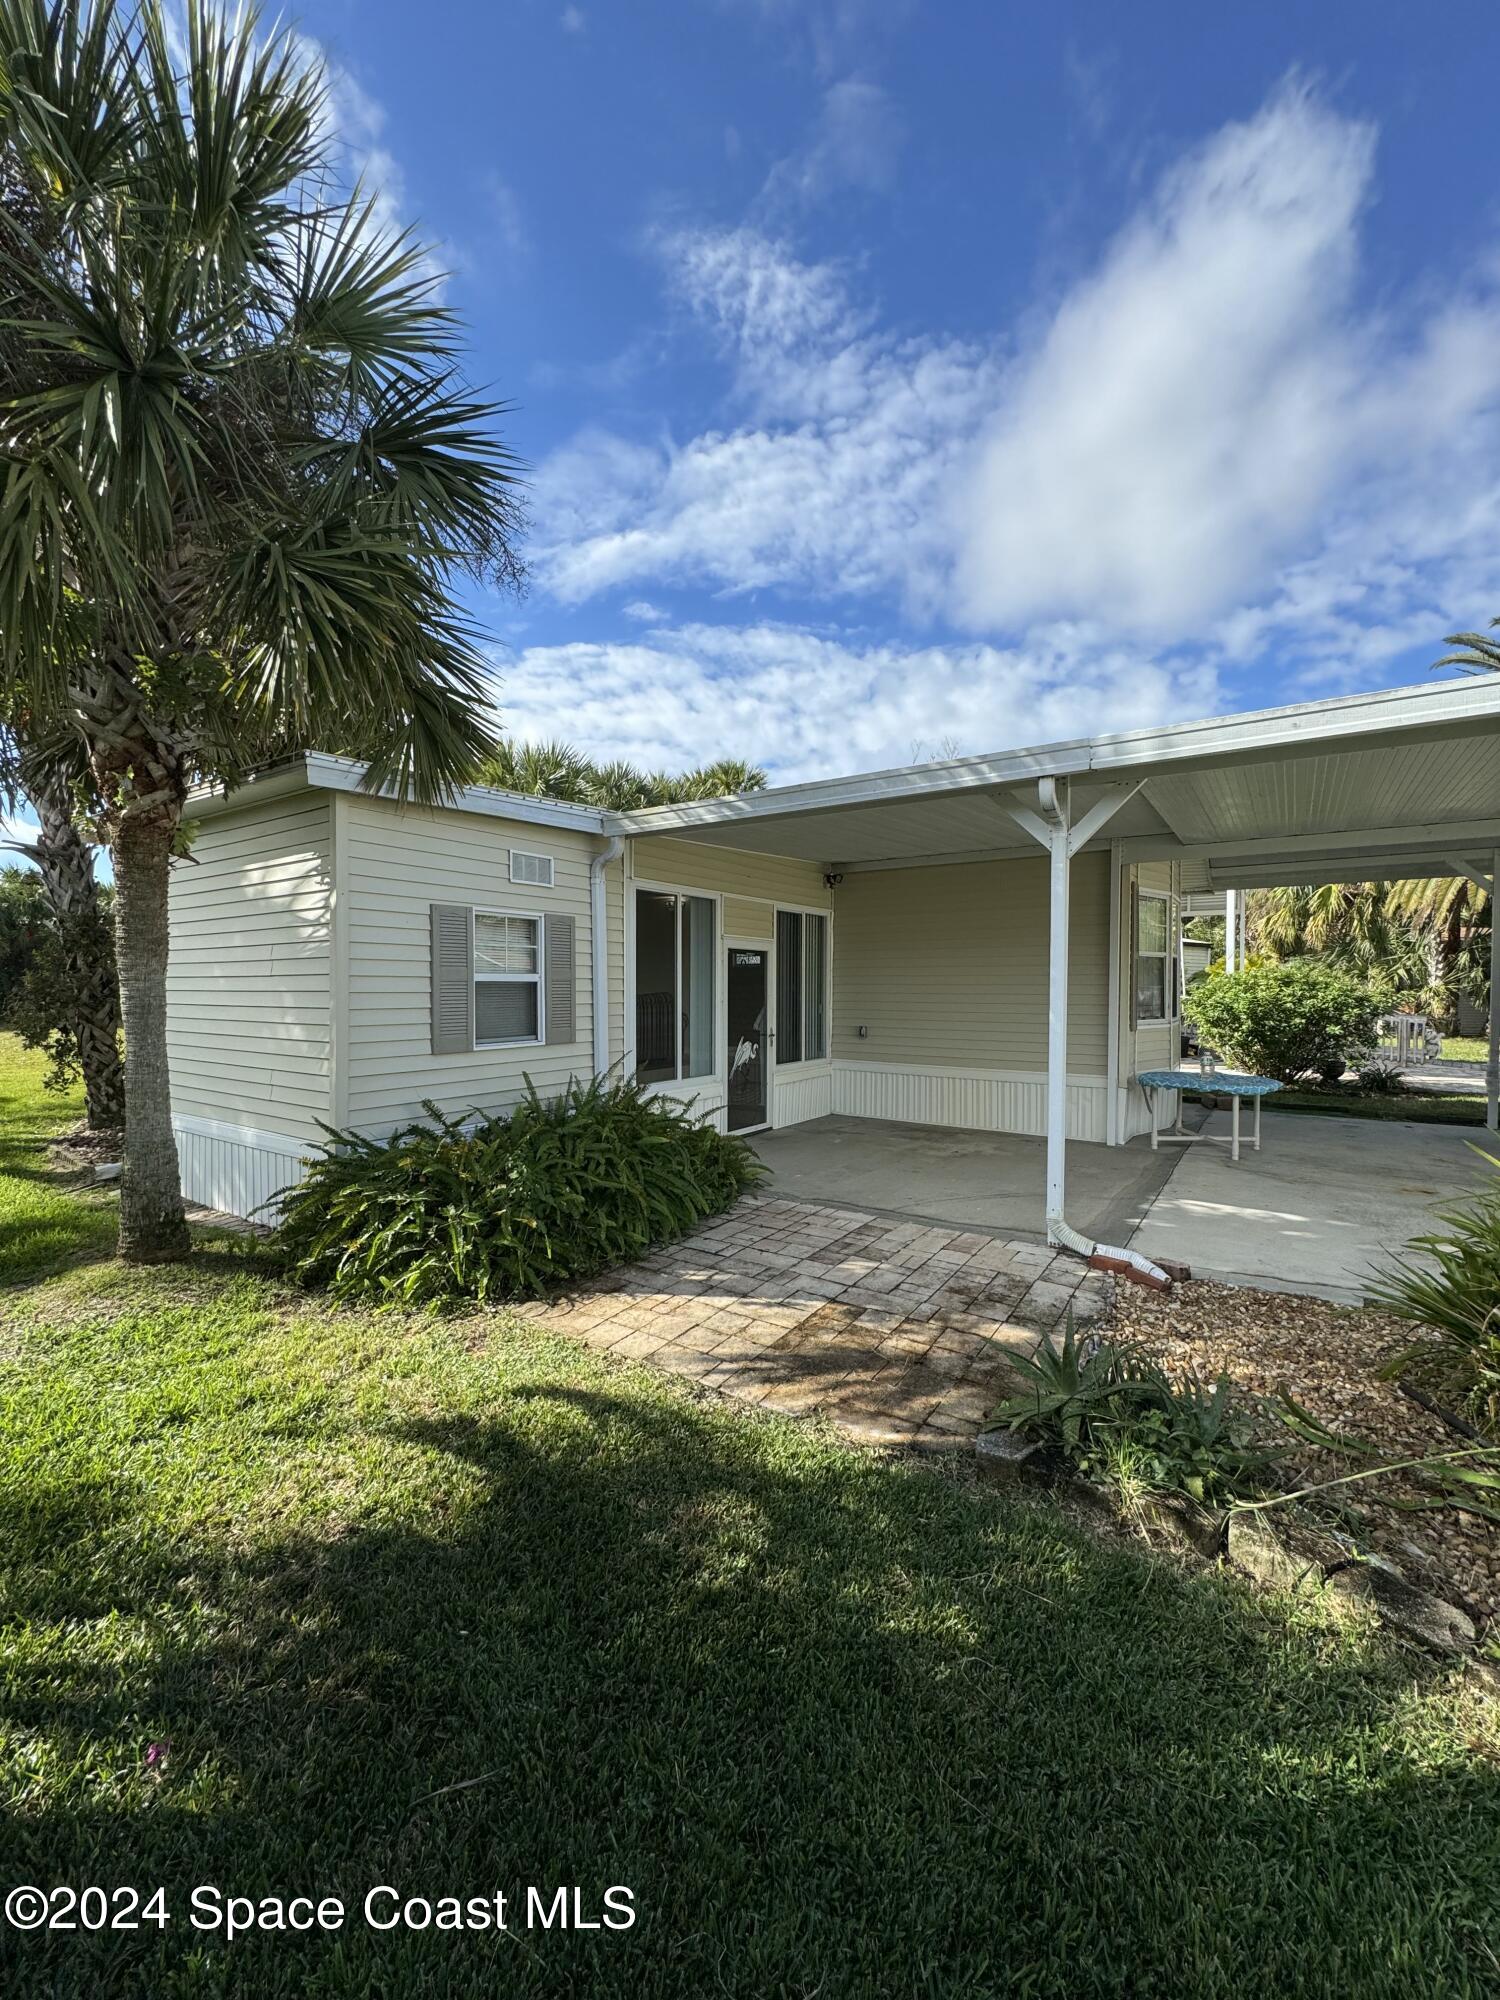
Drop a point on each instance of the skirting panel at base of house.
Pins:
(235, 1169)
(800, 1095)
(993, 1100)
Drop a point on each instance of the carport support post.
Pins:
(1492, 1065)
(1060, 875)
(1053, 828)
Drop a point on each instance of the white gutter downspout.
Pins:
(1051, 827)
(612, 849)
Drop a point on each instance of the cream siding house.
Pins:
(302, 977)
(989, 942)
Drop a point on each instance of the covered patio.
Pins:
(1395, 784)
(1318, 1210)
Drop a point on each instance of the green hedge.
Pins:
(1283, 1020)
(508, 1208)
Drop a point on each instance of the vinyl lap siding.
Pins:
(249, 1012)
(948, 966)
(401, 860)
(726, 871)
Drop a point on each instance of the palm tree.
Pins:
(1355, 925)
(50, 774)
(1476, 654)
(558, 771)
(238, 469)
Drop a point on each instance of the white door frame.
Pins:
(768, 946)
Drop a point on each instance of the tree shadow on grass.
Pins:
(844, 1727)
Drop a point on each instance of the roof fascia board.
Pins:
(318, 771)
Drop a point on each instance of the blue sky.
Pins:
(900, 378)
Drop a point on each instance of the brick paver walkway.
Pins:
(899, 1332)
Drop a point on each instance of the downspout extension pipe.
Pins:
(611, 851)
(1104, 1256)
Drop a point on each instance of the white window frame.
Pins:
(680, 890)
(1169, 997)
(536, 979)
(805, 910)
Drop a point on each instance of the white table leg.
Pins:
(1234, 1127)
(1151, 1100)
(1257, 1124)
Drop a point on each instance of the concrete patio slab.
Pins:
(993, 1181)
(1316, 1210)
(898, 1331)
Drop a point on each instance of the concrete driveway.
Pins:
(1317, 1209)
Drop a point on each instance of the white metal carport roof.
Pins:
(1370, 786)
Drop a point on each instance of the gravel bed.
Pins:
(1328, 1357)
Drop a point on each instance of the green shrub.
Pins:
(1451, 1286)
(1119, 1418)
(508, 1208)
(1282, 1020)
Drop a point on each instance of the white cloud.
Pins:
(510, 222)
(833, 483)
(813, 704)
(643, 613)
(1206, 403)
(1209, 437)
(854, 144)
(573, 20)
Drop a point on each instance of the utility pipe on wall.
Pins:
(612, 849)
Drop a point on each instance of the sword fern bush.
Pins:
(512, 1207)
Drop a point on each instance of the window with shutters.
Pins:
(1153, 956)
(507, 979)
(674, 986)
(801, 986)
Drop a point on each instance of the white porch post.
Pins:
(1053, 828)
(1060, 874)
(1492, 1064)
(1231, 927)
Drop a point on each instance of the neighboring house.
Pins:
(885, 946)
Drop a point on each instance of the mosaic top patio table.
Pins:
(1214, 1083)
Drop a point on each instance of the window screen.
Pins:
(507, 978)
(801, 986)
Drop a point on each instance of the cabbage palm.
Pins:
(558, 771)
(238, 469)
(1357, 926)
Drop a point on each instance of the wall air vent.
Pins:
(534, 869)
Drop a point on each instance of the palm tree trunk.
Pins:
(66, 865)
(153, 1227)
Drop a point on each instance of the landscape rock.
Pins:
(1006, 1455)
(1421, 1616)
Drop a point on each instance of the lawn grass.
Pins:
(1409, 1107)
(1465, 1048)
(845, 1726)
(43, 1222)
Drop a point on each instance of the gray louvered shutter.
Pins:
(1135, 931)
(452, 979)
(561, 980)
